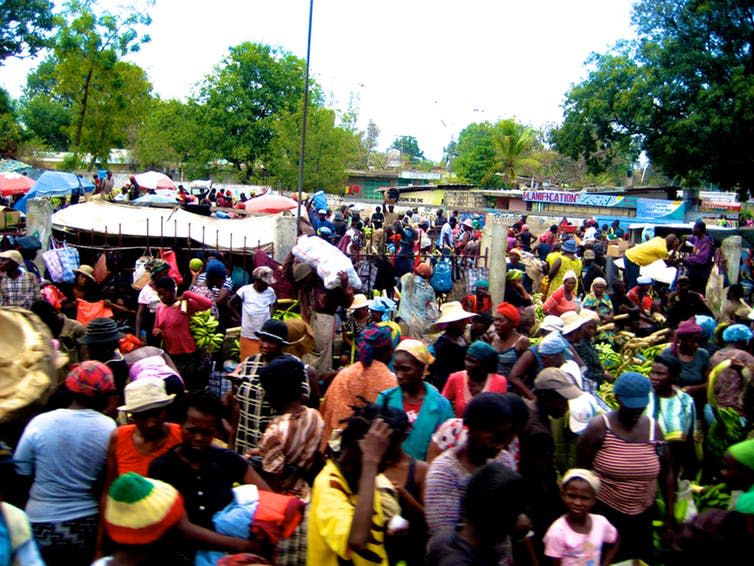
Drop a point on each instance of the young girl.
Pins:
(577, 538)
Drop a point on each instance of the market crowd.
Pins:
(596, 415)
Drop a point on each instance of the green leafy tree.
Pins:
(168, 138)
(329, 149)
(46, 115)
(493, 154)
(242, 99)
(513, 145)
(409, 147)
(683, 92)
(107, 96)
(24, 27)
(10, 131)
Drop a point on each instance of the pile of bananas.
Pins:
(607, 394)
(203, 326)
(712, 497)
(636, 354)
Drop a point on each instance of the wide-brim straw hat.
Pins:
(450, 312)
(87, 271)
(145, 394)
(300, 337)
(359, 302)
(571, 321)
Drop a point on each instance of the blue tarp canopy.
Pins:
(55, 184)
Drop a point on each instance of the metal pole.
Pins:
(302, 151)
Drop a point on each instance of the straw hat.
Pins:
(87, 271)
(359, 302)
(450, 312)
(300, 336)
(571, 321)
(13, 255)
(145, 394)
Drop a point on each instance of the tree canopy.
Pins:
(408, 146)
(491, 155)
(24, 27)
(683, 92)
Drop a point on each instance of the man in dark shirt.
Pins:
(202, 473)
(553, 388)
(378, 219)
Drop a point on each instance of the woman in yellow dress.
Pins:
(566, 262)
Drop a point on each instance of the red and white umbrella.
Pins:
(270, 204)
(155, 180)
(15, 184)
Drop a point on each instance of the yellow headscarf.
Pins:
(417, 349)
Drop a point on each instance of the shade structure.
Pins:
(9, 165)
(155, 180)
(15, 184)
(270, 204)
(54, 184)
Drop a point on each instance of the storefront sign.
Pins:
(580, 199)
(655, 208)
(708, 204)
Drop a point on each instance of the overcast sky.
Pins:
(425, 68)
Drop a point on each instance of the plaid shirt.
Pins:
(255, 413)
(19, 292)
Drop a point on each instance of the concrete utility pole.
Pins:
(495, 242)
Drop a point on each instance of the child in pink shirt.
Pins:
(577, 538)
(172, 325)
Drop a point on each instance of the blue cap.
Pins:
(707, 323)
(736, 333)
(569, 246)
(632, 390)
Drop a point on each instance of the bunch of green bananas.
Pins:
(713, 497)
(609, 358)
(234, 352)
(289, 312)
(724, 431)
(607, 394)
(202, 326)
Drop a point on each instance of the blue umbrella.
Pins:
(54, 184)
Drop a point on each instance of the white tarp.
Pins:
(104, 217)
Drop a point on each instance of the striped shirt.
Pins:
(291, 440)
(628, 471)
(676, 415)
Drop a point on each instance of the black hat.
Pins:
(276, 330)
(100, 331)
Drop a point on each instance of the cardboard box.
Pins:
(8, 218)
(617, 248)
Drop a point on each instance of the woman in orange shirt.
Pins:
(134, 446)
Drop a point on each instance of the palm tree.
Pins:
(514, 144)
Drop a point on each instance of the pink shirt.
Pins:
(579, 549)
(174, 323)
(556, 304)
(457, 391)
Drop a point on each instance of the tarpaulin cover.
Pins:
(104, 217)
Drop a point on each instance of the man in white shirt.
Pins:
(258, 304)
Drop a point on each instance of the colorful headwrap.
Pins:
(510, 312)
(707, 324)
(417, 349)
(570, 274)
(482, 284)
(514, 275)
(382, 305)
(395, 330)
(373, 339)
(485, 353)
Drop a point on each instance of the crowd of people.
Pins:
(390, 427)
